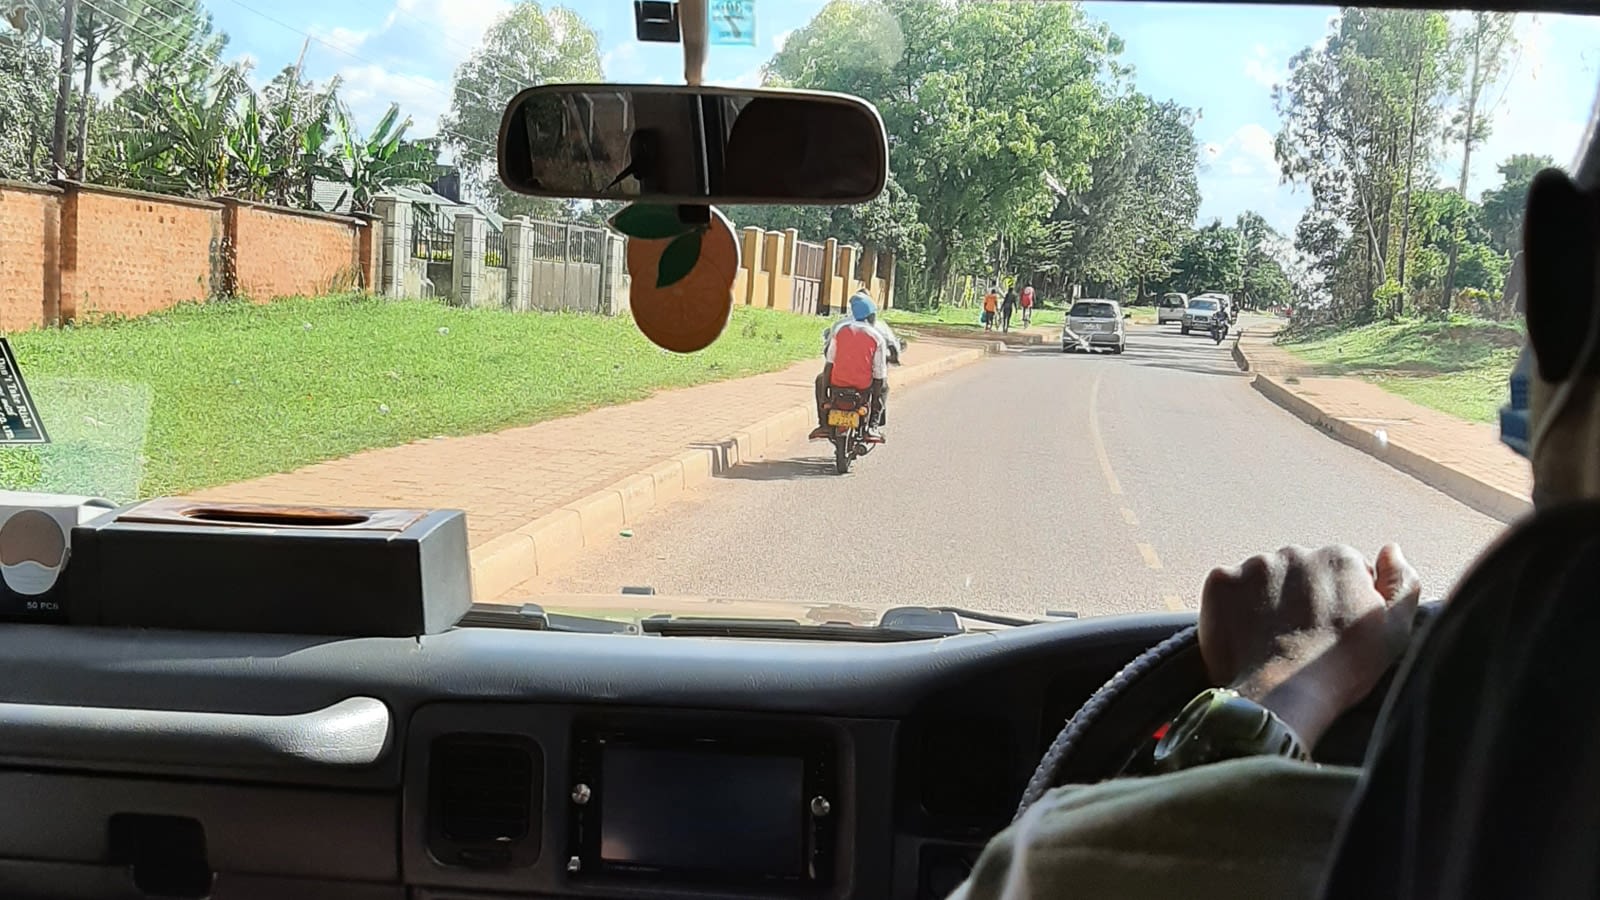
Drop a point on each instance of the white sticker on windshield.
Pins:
(19, 418)
(733, 22)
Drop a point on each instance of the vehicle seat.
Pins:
(1483, 776)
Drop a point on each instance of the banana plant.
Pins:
(379, 160)
(192, 136)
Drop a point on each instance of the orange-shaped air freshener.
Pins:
(682, 291)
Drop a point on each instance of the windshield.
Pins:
(279, 267)
(1093, 311)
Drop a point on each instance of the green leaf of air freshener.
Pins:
(679, 257)
(651, 221)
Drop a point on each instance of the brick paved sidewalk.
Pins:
(506, 479)
(1471, 449)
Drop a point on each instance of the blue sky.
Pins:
(1220, 60)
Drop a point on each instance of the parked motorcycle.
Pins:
(848, 412)
(1219, 327)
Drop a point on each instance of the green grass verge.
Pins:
(1457, 366)
(201, 395)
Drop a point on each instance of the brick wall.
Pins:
(130, 253)
(279, 252)
(28, 212)
(88, 250)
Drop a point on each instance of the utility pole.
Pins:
(58, 146)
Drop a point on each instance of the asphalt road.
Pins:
(1041, 481)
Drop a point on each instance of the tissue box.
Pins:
(36, 549)
(207, 566)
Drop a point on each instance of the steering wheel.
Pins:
(1114, 731)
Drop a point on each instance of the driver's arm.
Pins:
(1304, 633)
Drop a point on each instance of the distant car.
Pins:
(1171, 307)
(1097, 323)
(1199, 313)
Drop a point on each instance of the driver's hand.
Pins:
(1307, 633)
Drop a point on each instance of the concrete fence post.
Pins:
(466, 263)
(395, 250)
(519, 263)
(828, 292)
(750, 253)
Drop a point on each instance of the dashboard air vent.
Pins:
(484, 797)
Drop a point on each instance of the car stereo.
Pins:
(723, 810)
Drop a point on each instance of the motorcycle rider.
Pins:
(856, 356)
(1219, 324)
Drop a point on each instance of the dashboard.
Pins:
(491, 763)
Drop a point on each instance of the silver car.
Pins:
(1170, 308)
(1093, 323)
(1200, 313)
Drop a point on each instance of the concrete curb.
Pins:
(556, 537)
(1480, 495)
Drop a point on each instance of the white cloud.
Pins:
(622, 63)
(1261, 68)
(370, 88)
(750, 78)
(349, 40)
(459, 26)
(1248, 152)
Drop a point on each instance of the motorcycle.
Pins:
(1219, 327)
(848, 412)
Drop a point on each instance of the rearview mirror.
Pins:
(692, 145)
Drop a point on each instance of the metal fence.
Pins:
(494, 247)
(432, 238)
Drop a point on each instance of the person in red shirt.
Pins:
(1027, 305)
(857, 357)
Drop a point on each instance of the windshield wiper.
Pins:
(902, 623)
(532, 617)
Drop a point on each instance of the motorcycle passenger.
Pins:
(893, 342)
(856, 357)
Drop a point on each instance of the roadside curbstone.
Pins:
(668, 477)
(638, 494)
(599, 514)
(550, 540)
(503, 561)
(1486, 498)
(556, 538)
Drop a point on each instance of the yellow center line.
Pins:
(1129, 517)
(1173, 602)
(1150, 557)
(1094, 435)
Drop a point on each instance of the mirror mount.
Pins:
(656, 21)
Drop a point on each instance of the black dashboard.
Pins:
(483, 763)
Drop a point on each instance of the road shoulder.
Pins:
(555, 537)
(1464, 460)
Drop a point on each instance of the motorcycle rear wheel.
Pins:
(841, 454)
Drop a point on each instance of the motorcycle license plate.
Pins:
(840, 417)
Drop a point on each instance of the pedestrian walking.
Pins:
(1027, 306)
(991, 308)
(1007, 307)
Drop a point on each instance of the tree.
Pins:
(526, 46)
(26, 99)
(1211, 260)
(1263, 281)
(888, 221)
(978, 134)
(1362, 114)
(1484, 43)
(1503, 205)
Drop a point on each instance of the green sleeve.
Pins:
(1255, 827)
